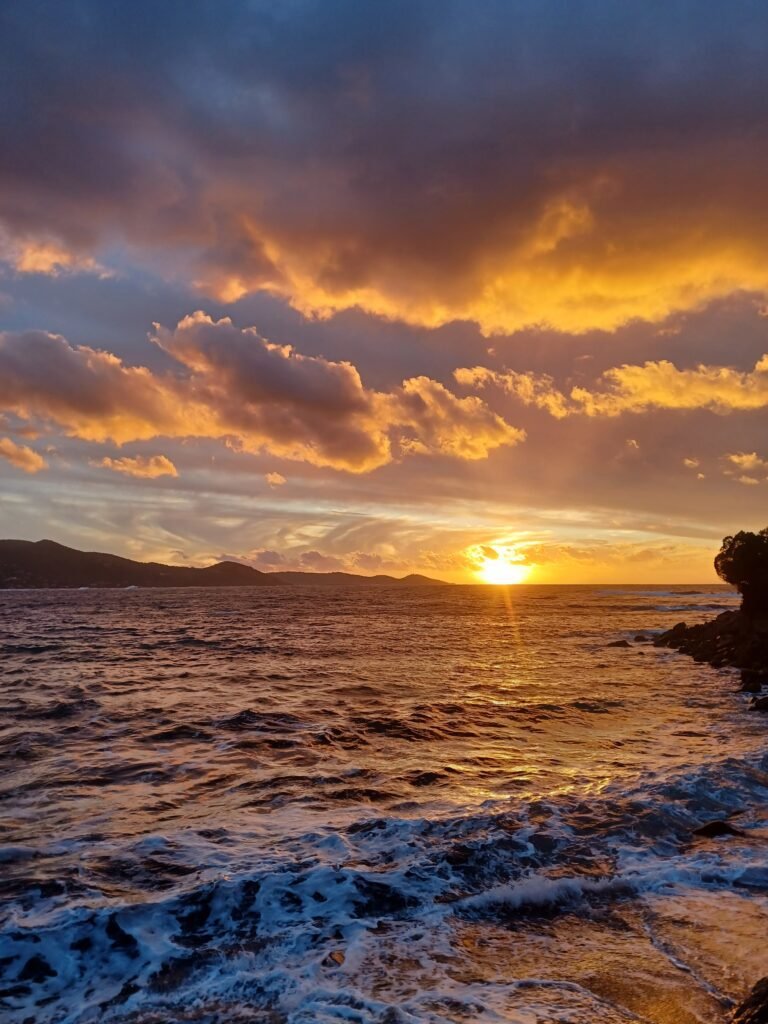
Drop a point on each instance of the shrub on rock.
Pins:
(742, 561)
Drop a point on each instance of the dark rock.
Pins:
(619, 643)
(731, 639)
(749, 684)
(754, 1009)
(752, 680)
(759, 704)
(641, 638)
(37, 970)
(713, 829)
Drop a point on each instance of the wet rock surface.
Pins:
(730, 640)
(754, 1009)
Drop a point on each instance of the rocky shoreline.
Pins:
(732, 640)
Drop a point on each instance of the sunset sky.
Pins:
(386, 287)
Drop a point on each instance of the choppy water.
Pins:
(396, 805)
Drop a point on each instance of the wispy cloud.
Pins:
(21, 456)
(140, 466)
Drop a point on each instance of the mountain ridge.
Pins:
(46, 564)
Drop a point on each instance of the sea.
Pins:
(403, 805)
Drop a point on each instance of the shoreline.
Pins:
(731, 640)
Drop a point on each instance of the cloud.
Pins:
(21, 456)
(742, 466)
(275, 479)
(662, 385)
(535, 389)
(463, 427)
(91, 394)
(634, 389)
(141, 466)
(45, 256)
(570, 165)
(748, 461)
(229, 383)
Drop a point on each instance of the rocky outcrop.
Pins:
(732, 639)
(754, 1009)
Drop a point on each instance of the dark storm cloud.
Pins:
(511, 163)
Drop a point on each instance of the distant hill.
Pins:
(330, 579)
(45, 564)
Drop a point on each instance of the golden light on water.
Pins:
(499, 564)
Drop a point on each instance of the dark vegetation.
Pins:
(742, 561)
(42, 564)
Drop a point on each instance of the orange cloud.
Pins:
(144, 467)
(463, 427)
(628, 388)
(46, 256)
(536, 389)
(743, 467)
(513, 170)
(21, 456)
(232, 384)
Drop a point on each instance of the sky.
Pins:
(471, 288)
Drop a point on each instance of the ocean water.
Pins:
(392, 805)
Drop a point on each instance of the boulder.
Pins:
(753, 680)
(731, 639)
(619, 643)
(754, 1009)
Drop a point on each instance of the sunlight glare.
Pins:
(501, 565)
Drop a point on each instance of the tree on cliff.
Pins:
(742, 561)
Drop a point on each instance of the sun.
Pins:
(501, 571)
(500, 565)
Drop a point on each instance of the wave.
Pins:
(217, 926)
